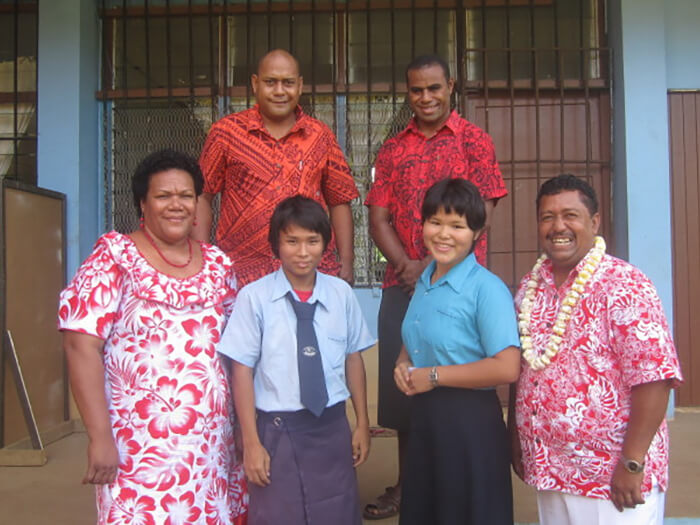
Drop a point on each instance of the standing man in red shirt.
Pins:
(587, 416)
(435, 145)
(259, 157)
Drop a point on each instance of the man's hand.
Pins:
(341, 221)
(347, 272)
(360, 445)
(256, 463)
(103, 461)
(648, 407)
(626, 488)
(409, 272)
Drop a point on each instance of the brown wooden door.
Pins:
(684, 124)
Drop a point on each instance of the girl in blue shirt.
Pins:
(460, 340)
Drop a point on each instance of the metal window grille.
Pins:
(536, 77)
(18, 87)
(531, 72)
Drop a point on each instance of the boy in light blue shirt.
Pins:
(298, 451)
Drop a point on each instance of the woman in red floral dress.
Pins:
(141, 320)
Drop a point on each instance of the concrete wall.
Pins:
(68, 123)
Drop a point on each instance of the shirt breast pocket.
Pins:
(307, 177)
(335, 349)
(447, 334)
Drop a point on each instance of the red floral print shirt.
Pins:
(408, 164)
(573, 414)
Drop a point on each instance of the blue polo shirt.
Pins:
(261, 334)
(465, 316)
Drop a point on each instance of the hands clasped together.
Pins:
(411, 380)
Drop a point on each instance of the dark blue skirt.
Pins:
(458, 465)
(312, 479)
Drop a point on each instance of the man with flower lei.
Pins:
(598, 364)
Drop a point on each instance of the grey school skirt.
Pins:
(312, 480)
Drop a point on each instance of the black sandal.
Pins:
(385, 506)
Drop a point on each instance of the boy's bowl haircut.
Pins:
(300, 211)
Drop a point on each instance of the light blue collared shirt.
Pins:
(465, 316)
(261, 334)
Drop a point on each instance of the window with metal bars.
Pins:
(525, 68)
(519, 45)
(18, 88)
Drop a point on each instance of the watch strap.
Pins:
(433, 376)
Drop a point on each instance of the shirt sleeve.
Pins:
(90, 302)
(495, 317)
(242, 337)
(337, 184)
(359, 337)
(213, 162)
(483, 166)
(380, 192)
(639, 333)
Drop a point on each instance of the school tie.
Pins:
(312, 383)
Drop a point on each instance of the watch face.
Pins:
(633, 466)
(433, 376)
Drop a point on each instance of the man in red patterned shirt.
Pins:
(435, 145)
(259, 157)
(598, 364)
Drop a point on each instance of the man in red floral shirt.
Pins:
(435, 145)
(259, 157)
(598, 364)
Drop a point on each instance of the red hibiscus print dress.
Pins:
(168, 392)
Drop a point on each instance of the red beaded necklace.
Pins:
(153, 243)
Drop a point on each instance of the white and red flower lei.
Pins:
(590, 264)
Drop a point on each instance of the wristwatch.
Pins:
(632, 466)
(433, 376)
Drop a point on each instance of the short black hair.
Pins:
(455, 196)
(427, 61)
(569, 182)
(299, 211)
(158, 162)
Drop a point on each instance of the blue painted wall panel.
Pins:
(68, 146)
(682, 44)
(641, 182)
